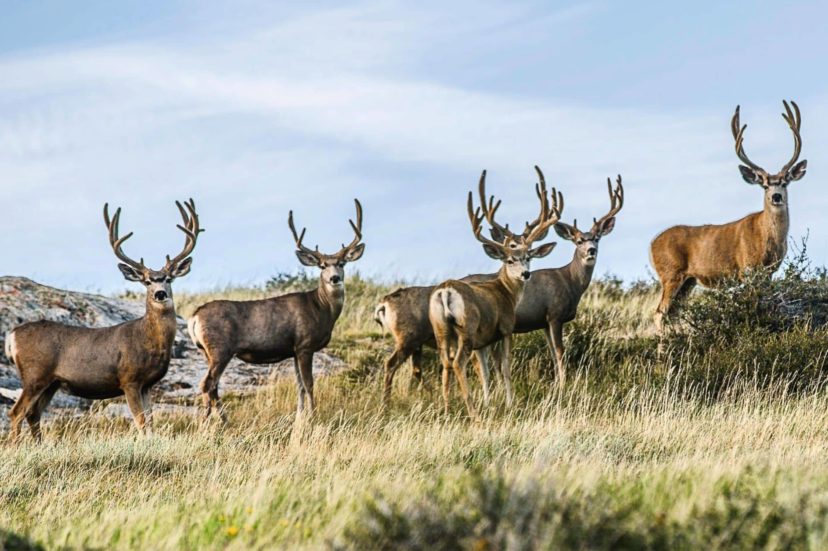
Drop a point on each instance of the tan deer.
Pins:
(686, 255)
(126, 359)
(472, 316)
(266, 331)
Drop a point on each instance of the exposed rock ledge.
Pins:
(22, 300)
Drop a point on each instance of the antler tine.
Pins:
(356, 227)
(739, 135)
(298, 237)
(476, 217)
(489, 207)
(116, 242)
(794, 120)
(540, 191)
(191, 229)
(551, 216)
(616, 202)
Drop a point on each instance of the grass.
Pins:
(718, 445)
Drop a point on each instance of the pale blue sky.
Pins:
(254, 108)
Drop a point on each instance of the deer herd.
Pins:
(473, 317)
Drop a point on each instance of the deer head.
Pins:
(332, 265)
(775, 185)
(157, 282)
(586, 243)
(515, 250)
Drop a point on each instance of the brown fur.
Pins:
(98, 363)
(274, 329)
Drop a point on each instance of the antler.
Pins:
(616, 202)
(550, 215)
(499, 233)
(116, 242)
(794, 120)
(476, 219)
(299, 237)
(191, 230)
(739, 135)
(356, 227)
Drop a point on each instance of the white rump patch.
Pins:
(11, 347)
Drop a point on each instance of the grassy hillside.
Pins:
(720, 440)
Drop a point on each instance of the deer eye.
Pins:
(510, 261)
(340, 264)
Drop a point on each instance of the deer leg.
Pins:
(461, 358)
(506, 369)
(391, 364)
(481, 365)
(136, 406)
(210, 385)
(305, 362)
(18, 412)
(554, 335)
(417, 371)
(146, 404)
(669, 288)
(36, 409)
(445, 360)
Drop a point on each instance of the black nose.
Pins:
(776, 197)
(526, 274)
(335, 279)
(160, 296)
(592, 251)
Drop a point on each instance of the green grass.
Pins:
(720, 446)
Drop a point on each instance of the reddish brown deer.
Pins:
(472, 316)
(126, 359)
(270, 330)
(686, 255)
(404, 314)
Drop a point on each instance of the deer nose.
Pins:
(526, 275)
(335, 279)
(776, 197)
(160, 296)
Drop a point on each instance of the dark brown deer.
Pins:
(126, 359)
(270, 330)
(404, 314)
(473, 316)
(686, 255)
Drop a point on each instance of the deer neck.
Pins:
(331, 299)
(512, 287)
(775, 223)
(160, 325)
(579, 272)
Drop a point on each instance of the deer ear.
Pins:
(543, 250)
(749, 175)
(497, 235)
(492, 251)
(355, 253)
(607, 226)
(130, 273)
(798, 171)
(565, 231)
(182, 268)
(307, 259)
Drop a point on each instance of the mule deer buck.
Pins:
(125, 359)
(551, 296)
(274, 329)
(468, 316)
(685, 255)
(404, 313)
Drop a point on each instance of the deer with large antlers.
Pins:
(686, 255)
(471, 316)
(551, 296)
(266, 331)
(126, 359)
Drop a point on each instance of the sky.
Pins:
(256, 108)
